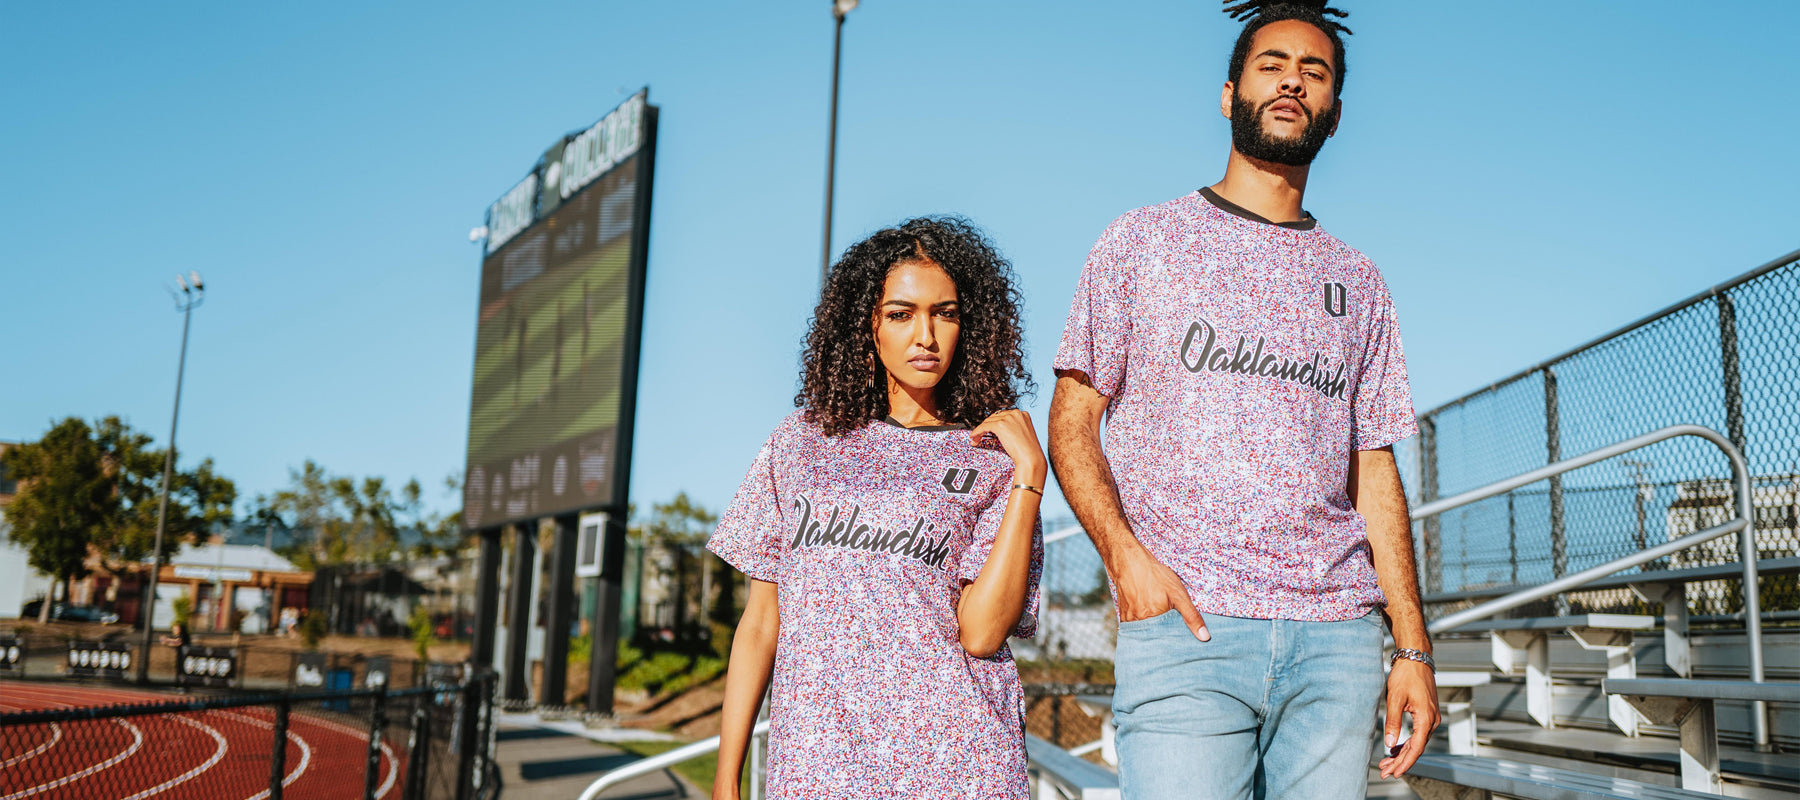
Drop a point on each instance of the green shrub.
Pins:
(627, 657)
(702, 671)
(184, 608)
(423, 637)
(312, 629)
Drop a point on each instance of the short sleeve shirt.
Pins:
(1244, 362)
(871, 536)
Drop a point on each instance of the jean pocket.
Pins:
(1139, 624)
(1376, 619)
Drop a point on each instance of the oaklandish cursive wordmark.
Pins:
(843, 530)
(1213, 357)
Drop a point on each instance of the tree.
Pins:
(443, 534)
(93, 491)
(64, 502)
(337, 519)
(675, 529)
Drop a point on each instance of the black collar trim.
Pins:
(929, 428)
(1305, 223)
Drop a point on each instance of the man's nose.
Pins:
(1292, 83)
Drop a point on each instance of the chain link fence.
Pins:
(1728, 359)
(429, 743)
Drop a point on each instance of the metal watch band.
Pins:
(1414, 655)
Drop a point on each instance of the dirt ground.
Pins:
(693, 714)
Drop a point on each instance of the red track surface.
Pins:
(211, 755)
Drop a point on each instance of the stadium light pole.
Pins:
(193, 293)
(839, 10)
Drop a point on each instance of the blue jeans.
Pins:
(1268, 709)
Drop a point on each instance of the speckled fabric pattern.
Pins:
(1244, 361)
(870, 537)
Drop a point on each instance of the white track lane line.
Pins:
(393, 770)
(55, 736)
(305, 751)
(217, 755)
(137, 742)
(393, 763)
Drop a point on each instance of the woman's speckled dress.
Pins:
(871, 536)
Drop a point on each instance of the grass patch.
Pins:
(698, 771)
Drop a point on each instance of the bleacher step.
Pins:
(1642, 758)
(1441, 777)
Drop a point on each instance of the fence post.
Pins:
(278, 753)
(1433, 557)
(1559, 545)
(465, 740)
(1512, 540)
(1747, 545)
(484, 740)
(1728, 361)
(418, 750)
(377, 722)
(478, 691)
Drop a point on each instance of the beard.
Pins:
(1250, 138)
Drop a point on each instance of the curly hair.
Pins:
(843, 384)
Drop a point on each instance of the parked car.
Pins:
(83, 614)
(68, 613)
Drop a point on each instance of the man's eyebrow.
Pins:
(1273, 53)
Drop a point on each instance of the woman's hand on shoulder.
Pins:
(1018, 438)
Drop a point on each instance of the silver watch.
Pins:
(1413, 655)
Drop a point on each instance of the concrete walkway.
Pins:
(542, 760)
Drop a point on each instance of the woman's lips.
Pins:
(924, 363)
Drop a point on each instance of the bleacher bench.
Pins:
(1442, 777)
(1456, 702)
(1607, 633)
(1690, 704)
(1664, 587)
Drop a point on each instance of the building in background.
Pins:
(233, 587)
(19, 583)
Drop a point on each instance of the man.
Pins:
(1246, 503)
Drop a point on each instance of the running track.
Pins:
(210, 755)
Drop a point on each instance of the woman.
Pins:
(889, 530)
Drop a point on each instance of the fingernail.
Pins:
(1204, 635)
(1390, 741)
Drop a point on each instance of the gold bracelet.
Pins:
(1029, 488)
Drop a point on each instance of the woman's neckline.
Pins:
(889, 419)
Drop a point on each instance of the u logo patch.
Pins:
(1336, 299)
(959, 481)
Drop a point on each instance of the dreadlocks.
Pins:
(1258, 13)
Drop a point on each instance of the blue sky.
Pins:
(1527, 175)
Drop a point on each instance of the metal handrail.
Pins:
(1740, 473)
(662, 761)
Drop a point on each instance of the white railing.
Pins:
(662, 761)
(1742, 525)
